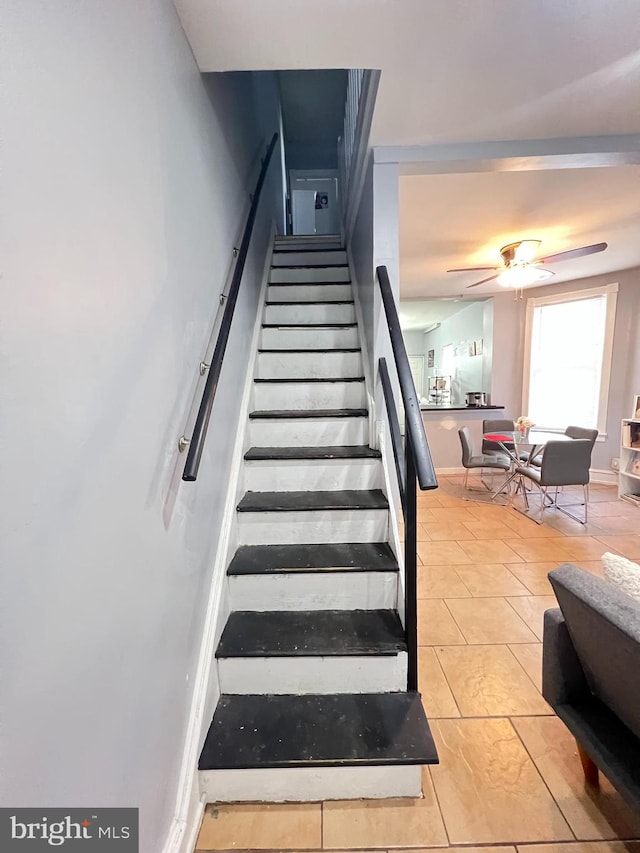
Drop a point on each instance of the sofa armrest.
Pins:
(563, 679)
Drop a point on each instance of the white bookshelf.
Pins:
(629, 473)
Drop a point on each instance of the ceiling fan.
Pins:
(521, 267)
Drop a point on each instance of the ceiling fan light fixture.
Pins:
(522, 276)
(526, 251)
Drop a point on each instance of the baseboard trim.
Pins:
(189, 808)
(597, 475)
(603, 476)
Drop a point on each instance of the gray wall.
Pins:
(508, 338)
(126, 182)
(467, 325)
(362, 254)
(414, 343)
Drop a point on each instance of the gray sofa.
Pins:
(591, 674)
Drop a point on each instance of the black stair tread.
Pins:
(305, 251)
(309, 325)
(311, 266)
(317, 351)
(318, 730)
(356, 451)
(282, 414)
(311, 633)
(310, 501)
(302, 283)
(324, 283)
(313, 302)
(305, 379)
(356, 556)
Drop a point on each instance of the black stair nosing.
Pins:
(313, 501)
(354, 451)
(329, 557)
(309, 325)
(303, 283)
(314, 302)
(285, 251)
(312, 633)
(307, 414)
(304, 380)
(327, 730)
(311, 266)
(300, 283)
(317, 350)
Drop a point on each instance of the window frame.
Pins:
(610, 291)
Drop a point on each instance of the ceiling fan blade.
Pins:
(472, 269)
(491, 277)
(572, 253)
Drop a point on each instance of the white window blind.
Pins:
(570, 338)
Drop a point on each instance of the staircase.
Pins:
(312, 661)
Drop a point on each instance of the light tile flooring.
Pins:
(509, 778)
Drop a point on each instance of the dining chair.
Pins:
(497, 425)
(564, 463)
(572, 432)
(469, 461)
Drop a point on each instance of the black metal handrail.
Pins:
(196, 444)
(418, 465)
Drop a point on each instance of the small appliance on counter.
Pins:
(477, 399)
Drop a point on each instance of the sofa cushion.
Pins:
(604, 626)
(622, 572)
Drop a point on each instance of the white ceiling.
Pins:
(469, 71)
(452, 70)
(460, 220)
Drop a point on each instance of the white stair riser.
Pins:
(311, 259)
(310, 274)
(309, 395)
(311, 784)
(308, 432)
(303, 675)
(312, 475)
(329, 590)
(308, 292)
(307, 315)
(328, 243)
(313, 528)
(294, 365)
(309, 338)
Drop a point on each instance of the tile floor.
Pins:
(509, 778)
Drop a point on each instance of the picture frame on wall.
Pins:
(636, 407)
(431, 354)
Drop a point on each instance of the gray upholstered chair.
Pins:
(497, 425)
(469, 461)
(590, 666)
(564, 463)
(572, 432)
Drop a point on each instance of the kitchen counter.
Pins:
(430, 407)
(441, 424)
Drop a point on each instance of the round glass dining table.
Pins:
(514, 443)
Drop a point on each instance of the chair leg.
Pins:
(585, 489)
(589, 767)
(466, 479)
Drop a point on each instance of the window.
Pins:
(567, 365)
